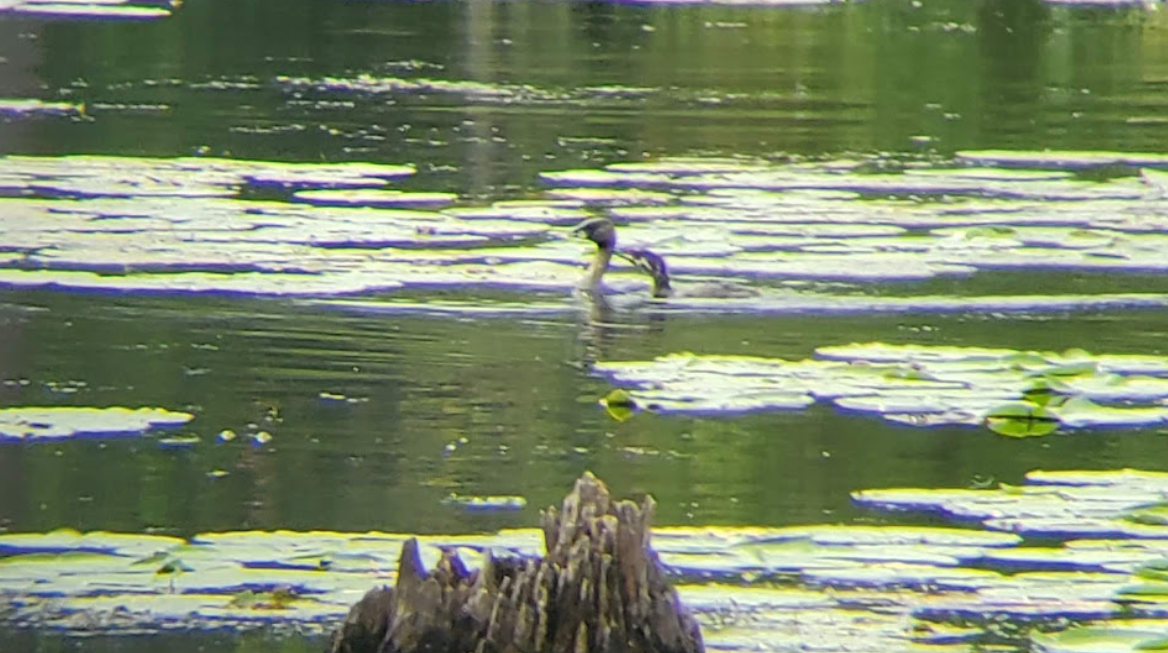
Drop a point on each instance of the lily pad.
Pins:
(92, 9)
(31, 106)
(67, 539)
(1021, 419)
(860, 583)
(911, 384)
(1062, 158)
(1051, 504)
(486, 503)
(374, 197)
(1119, 636)
(36, 423)
(619, 405)
(627, 196)
(757, 229)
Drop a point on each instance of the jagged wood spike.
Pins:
(599, 589)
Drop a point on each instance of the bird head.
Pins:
(651, 264)
(599, 230)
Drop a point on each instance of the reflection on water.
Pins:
(376, 416)
(491, 93)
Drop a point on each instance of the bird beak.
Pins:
(579, 229)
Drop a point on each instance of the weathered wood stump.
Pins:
(599, 589)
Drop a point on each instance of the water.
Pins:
(504, 405)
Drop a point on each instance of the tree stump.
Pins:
(599, 589)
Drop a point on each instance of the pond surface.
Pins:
(360, 347)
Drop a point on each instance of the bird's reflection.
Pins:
(595, 330)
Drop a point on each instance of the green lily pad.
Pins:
(1118, 636)
(619, 405)
(1044, 391)
(1021, 419)
(1156, 514)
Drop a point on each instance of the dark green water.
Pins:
(585, 84)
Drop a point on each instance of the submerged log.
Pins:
(599, 589)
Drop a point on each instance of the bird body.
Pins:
(602, 231)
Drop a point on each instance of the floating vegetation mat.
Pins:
(38, 423)
(90, 9)
(12, 106)
(826, 587)
(1015, 393)
(738, 235)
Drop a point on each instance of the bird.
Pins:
(602, 231)
(652, 264)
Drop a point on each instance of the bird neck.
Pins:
(597, 268)
(661, 287)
